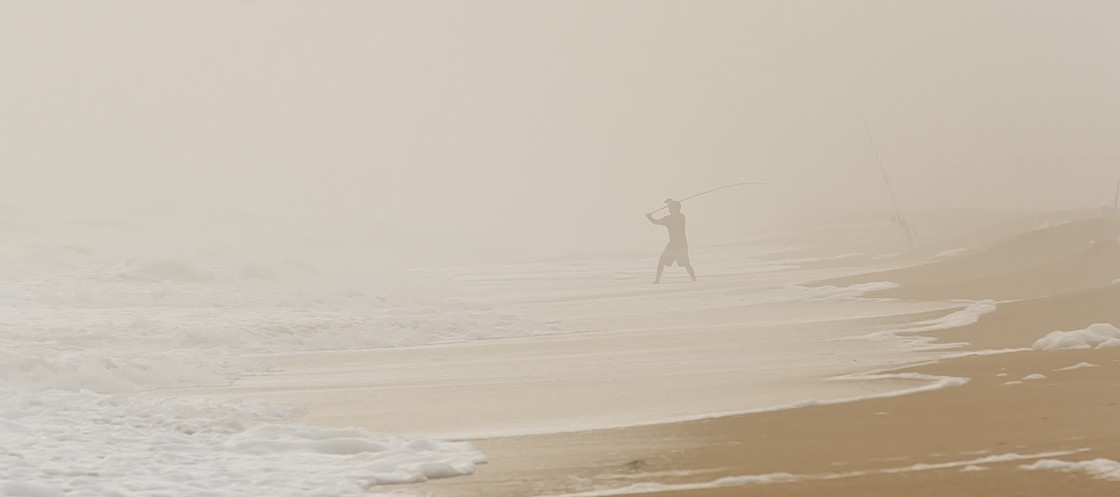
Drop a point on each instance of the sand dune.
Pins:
(1096, 266)
(1049, 261)
(876, 239)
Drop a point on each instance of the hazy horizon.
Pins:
(508, 124)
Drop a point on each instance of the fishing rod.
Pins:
(886, 179)
(1116, 199)
(666, 206)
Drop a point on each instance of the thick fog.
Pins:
(486, 128)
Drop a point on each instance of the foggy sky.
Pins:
(560, 123)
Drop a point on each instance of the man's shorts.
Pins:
(675, 254)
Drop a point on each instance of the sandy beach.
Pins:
(919, 444)
(816, 379)
(559, 249)
(974, 439)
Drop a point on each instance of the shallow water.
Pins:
(86, 336)
(198, 372)
(643, 354)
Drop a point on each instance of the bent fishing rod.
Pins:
(710, 191)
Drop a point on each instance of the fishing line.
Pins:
(712, 190)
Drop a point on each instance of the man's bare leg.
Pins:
(660, 268)
(691, 273)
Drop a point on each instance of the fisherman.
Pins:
(677, 249)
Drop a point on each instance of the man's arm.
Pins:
(654, 221)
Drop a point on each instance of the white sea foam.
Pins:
(794, 261)
(653, 487)
(885, 256)
(1110, 343)
(995, 458)
(1035, 376)
(144, 445)
(1105, 469)
(82, 341)
(736, 481)
(970, 314)
(1049, 224)
(1080, 365)
(964, 317)
(950, 253)
(830, 292)
(956, 319)
(931, 382)
(1100, 335)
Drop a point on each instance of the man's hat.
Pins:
(670, 202)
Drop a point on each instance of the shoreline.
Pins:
(659, 361)
(361, 388)
(842, 392)
(1012, 411)
(838, 449)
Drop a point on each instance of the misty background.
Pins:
(422, 131)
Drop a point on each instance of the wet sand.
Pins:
(859, 448)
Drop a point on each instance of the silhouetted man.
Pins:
(677, 249)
